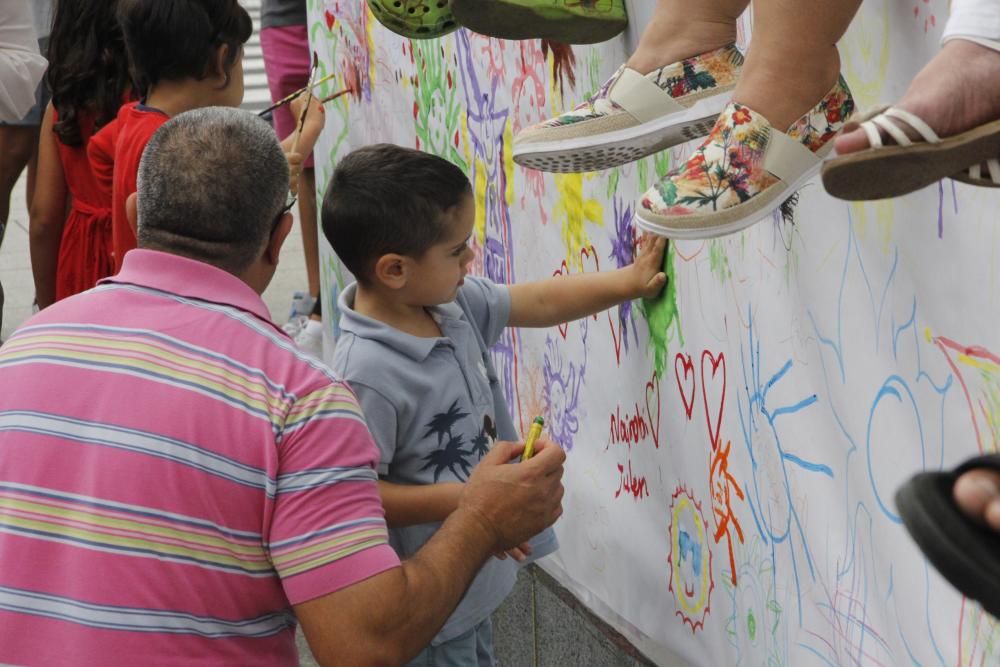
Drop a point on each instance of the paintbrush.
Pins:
(286, 100)
(309, 99)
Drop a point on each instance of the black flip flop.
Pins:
(966, 553)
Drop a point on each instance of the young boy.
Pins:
(416, 333)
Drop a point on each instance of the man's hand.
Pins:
(516, 502)
(647, 276)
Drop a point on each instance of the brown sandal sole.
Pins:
(891, 171)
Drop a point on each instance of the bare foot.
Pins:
(977, 493)
(954, 92)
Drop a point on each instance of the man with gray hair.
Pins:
(178, 483)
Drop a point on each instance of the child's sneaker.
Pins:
(302, 305)
(567, 21)
(634, 115)
(743, 171)
(310, 338)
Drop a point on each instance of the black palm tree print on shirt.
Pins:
(452, 456)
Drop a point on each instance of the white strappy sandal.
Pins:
(882, 171)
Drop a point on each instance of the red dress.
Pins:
(118, 147)
(85, 248)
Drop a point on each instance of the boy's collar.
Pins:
(417, 348)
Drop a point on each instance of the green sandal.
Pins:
(416, 19)
(568, 21)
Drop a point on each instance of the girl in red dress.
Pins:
(70, 217)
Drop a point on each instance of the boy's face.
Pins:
(438, 273)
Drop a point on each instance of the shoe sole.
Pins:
(891, 171)
(512, 21)
(966, 554)
(613, 149)
(746, 214)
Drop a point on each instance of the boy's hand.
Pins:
(519, 553)
(647, 274)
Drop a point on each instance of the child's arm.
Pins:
(409, 505)
(47, 216)
(315, 121)
(545, 303)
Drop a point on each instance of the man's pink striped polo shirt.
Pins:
(174, 474)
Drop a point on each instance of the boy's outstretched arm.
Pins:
(553, 301)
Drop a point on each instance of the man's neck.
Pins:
(411, 319)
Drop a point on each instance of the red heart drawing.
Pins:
(617, 335)
(330, 20)
(716, 363)
(651, 386)
(563, 270)
(688, 365)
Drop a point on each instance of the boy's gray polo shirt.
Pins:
(435, 406)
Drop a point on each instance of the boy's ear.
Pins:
(219, 66)
(392, 270)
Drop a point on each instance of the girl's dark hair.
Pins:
(175, 39)
(88, 70)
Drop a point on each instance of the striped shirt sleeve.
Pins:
(327, 528)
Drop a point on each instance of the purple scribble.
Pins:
(623, 254)
(562, 392)
(487, 120)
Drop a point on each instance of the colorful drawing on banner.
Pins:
(775, 513)
(623, 254)
(690, 560)
(563, 65)
(528, 99)
(562, 391)
(978, 637)
(724, 487)
(488, 139)
(978, 372)
(663, 316)
(572, 212)
(437, 113)
(684, 374)
(755, 628)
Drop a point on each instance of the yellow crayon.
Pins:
(533, 433)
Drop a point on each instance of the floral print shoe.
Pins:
(634, 115)
(743, 171)
(567, 21)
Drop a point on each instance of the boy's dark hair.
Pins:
(389, 199)
(175, 39)
(88, 69)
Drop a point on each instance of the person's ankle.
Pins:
(783, 94)
(659, 48)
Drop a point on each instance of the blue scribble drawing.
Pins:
(623, 254)
(770, 498)
(562, 390)
(487, 121)
(904, 403)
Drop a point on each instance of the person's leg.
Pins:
(16, 148)
(310, 228)
(681, 29)
(956, 91)
(792, 61)
(977, 493)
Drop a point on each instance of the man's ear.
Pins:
(278, 236)
(392, 270)
(132, 212)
